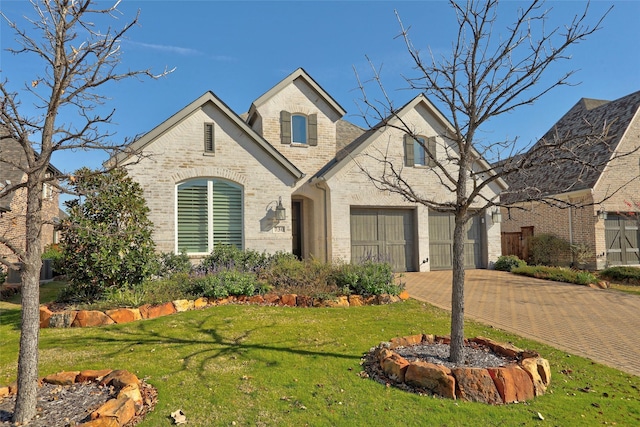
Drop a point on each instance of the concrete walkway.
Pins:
(601, 325)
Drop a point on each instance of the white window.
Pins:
(209, 213)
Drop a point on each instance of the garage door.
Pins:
(441, 241)
(621, 236)
(383, 234)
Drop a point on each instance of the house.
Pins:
(287, 176)
(13, 205)
(597, 200)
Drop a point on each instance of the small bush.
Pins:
(558, 274)
(54, 253)
(286, 274)
(3, 276)
(508, 263)
(231, 258)
(223, 284)
(368, 278)
(548, 249)
(170, 264)
(628, 275)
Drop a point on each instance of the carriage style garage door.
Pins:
(441, 241)
(384, 234)
(621, 236)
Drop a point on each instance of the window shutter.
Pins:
(208, 138)
(193, 224)
(312, 124)
(227, 214)
(431, 148)
(285, 127)
(408, 151)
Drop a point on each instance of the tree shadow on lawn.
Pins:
(209, 344)
(10, 316)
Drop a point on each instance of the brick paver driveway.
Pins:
(601, 325)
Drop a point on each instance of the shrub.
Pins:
(223, 284)
(231, 258)
(170, 264)
(368, 278)
(582, 253)
(107, 240)
(630, 275)
(3, 276)
(508, 263)
(558, 274)
(287, 274)
(548, 249)
(54, 253)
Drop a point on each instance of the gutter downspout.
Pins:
(318, 184)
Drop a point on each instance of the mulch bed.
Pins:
(66, 406)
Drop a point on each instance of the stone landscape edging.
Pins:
(85, 318)
(527, 377)
(115, 412)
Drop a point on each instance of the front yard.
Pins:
(256, 365)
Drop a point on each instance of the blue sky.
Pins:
(240, 49)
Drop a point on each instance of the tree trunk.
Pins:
(25, 408)
(457, 294)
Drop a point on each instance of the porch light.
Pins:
(601, 215)
(281, 212)
(496, 216)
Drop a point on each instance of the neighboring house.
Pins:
(602, 209)
(13, 205)
(286, 176)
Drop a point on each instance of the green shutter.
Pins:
(408, 151)
(227, 214)
(192, 217)
(431, 148)
(312, 124)
(285, 127)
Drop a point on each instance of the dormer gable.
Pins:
(300, 119)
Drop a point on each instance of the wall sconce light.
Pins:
(496, 216)
(281, 212)
(601, 214)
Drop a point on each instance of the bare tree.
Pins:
(488, 73)
(78, 59)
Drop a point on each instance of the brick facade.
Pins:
(613, 190)
(173, 153)
(13, 222)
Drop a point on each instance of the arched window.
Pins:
(209, 213)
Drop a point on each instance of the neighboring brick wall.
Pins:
(13, 223)
(617, 190)
(575, 225)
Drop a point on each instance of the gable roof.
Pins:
(344, 156)
(300, 73)
(208, 97)
(551, 178)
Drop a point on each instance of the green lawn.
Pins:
(275, 366)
